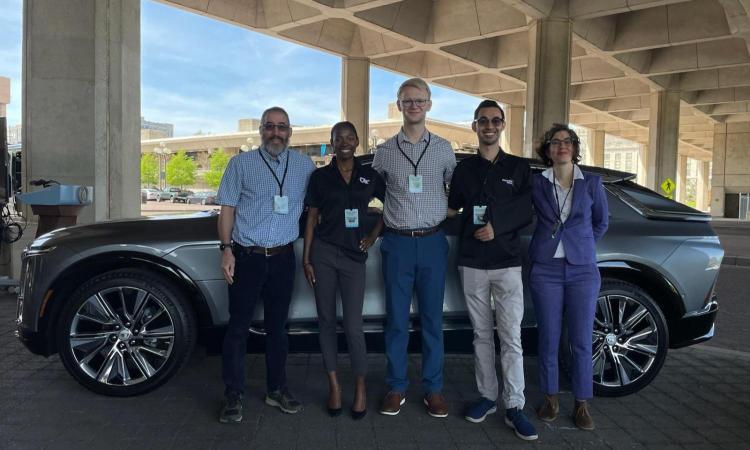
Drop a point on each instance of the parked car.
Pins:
(124, 302)
(173, 191)
(204, 198)
(181, 197)
(155, 194)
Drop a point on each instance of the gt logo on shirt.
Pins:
(364, 180)
(507, 181)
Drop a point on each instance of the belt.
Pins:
(267, 251)
(420, 232)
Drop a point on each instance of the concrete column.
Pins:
(548, 77)
(514, 118)
(81, 100)
(642, 177)
(703, 187)
(355, 97)
(4, 94)
(731, 165)
(682, 167)
(663, 129)
(596, 148)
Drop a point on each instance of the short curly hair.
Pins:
(546, 142)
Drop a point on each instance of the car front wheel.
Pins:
(630, 339)
(126, 332)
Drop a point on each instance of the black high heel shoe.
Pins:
(333, 412)
(359, 415)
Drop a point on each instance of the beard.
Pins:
(275, 146)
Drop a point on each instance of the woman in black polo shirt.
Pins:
(337, 237)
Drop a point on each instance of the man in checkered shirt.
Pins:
(417, 166)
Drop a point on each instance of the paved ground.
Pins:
(701, 399)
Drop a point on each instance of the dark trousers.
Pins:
(272, 279)
(559, 288)
(335, 273)
(409, 264)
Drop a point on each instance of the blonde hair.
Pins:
(415, 83)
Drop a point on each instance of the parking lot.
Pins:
(701, 399)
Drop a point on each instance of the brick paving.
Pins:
(701, 399)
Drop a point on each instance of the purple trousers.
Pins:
(560, 289)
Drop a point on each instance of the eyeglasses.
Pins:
(558, 142)
(495, 121)
(280, 127)
(418, 102)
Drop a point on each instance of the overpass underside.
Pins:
(673, 75)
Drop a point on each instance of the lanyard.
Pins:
(487, 174)
(398, 144)
(280, 183)
(560, 207)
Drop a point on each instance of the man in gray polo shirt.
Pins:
(261, 196)
(416, 165)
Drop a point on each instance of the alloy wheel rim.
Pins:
(625, 341)
(121, 336)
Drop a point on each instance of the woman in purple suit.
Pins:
(571, 209)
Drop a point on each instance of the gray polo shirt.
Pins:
(405, 210)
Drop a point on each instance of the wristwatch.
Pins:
(223, 246)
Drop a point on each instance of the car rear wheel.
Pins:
(630, 339)
(125, 333)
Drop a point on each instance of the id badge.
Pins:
(351, 218)
(415, 184)
(479, 211)
(281, 204)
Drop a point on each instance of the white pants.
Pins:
(506, 287)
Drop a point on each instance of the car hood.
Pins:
(158, 234)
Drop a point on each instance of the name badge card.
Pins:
(351, 218)
(415, 184)
(281, 204)
(479, 211)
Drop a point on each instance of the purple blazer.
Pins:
(586, 224)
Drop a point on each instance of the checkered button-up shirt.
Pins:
(249, 187)
(405, 210)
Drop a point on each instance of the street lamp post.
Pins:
(163, 152)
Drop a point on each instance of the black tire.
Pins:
(150, 355)
(614, 375)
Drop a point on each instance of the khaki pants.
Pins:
(506, 287)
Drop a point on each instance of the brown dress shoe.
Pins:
(581, 416)
(392, 403)
(436, 405)
(549, 409)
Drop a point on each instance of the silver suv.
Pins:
(124, 302)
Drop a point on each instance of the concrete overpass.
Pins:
(671, 74)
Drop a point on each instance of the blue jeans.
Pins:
(272, 279)
(559, 288)
(411, 263)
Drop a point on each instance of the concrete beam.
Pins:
(608, 89)
(716, 96)
(355, 97)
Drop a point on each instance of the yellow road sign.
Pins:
(667, 186)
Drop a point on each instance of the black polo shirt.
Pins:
(328, 192)
(505, 188)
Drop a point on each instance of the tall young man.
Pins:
(494, 190)
(416, 165)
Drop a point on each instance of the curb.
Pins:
(742, 261)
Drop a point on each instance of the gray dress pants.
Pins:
(337, 273)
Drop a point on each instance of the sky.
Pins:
(204, 75)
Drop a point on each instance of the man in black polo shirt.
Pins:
(494, 190)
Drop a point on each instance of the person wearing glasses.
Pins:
(337, 237)
(572, 214)
(494, 190)
(261, 196)
(416, 165)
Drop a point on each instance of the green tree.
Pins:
(149, 169)
(180, 170)
(217, 163)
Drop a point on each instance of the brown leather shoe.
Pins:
(550, 408)
(392, 403)
(436, 405)
(581, 416)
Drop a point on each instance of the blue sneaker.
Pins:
(479, 410)
(515, 419)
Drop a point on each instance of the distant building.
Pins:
(160, 130)
(15, 134)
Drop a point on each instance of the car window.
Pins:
(651, 199)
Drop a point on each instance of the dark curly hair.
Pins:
(544, 146)
(342, 125)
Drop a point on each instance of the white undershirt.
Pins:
(563, 195)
